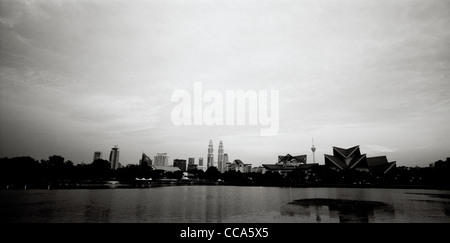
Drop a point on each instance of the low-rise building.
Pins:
(288, 163)
(352, 159)
(238, 165)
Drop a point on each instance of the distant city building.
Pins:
(228, 166)
(161, 159)
(225, 160)
(380, 165)
(287, 163)
(200, 161)
(238, 165)
(204, 168)
(220, 160)
(247, 168)
(165, 168)
(145, 160)
(192, 167)
(289, 160)
(346, 159)
(440, 164)
(180, 163)
(191, 161)
(259, 169)
(352, 159)
(210, 158)
(114, 158)
(97, 155)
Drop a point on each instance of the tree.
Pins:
(19, 170)
(235, 177)
(100, 169)
(212, 174)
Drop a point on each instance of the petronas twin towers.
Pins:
(220, 164)
(221, 160)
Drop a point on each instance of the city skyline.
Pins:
(82, 76)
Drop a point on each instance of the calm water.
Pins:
(227, 204)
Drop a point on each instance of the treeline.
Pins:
(57, 172)
(19, 172)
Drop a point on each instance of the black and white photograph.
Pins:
(209, 114)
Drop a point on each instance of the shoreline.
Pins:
(157, 185)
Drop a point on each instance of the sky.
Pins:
(81, 76)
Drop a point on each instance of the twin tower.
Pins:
(222, 159)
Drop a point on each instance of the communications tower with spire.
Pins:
(313, 149)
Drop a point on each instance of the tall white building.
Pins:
(220, 161)
(114, 158)
(210, 159)
(161, 159)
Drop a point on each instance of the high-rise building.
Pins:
(225, 159)
(145, 160)
(161, 159)
(191, 161)
(114, 158)
(201, 165)
(97, 155)
(180, 163)
(220, 163)
(210, 161)
(192, 167)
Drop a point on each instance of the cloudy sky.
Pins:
(81, 76)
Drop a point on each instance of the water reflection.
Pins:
(98, 207)
(227, 204)
(346, 211)
(434, 198)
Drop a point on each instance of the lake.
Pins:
(226, 204)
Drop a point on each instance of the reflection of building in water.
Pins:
(318, 219)
(352, 159)
(346, 211)
(309, 214)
